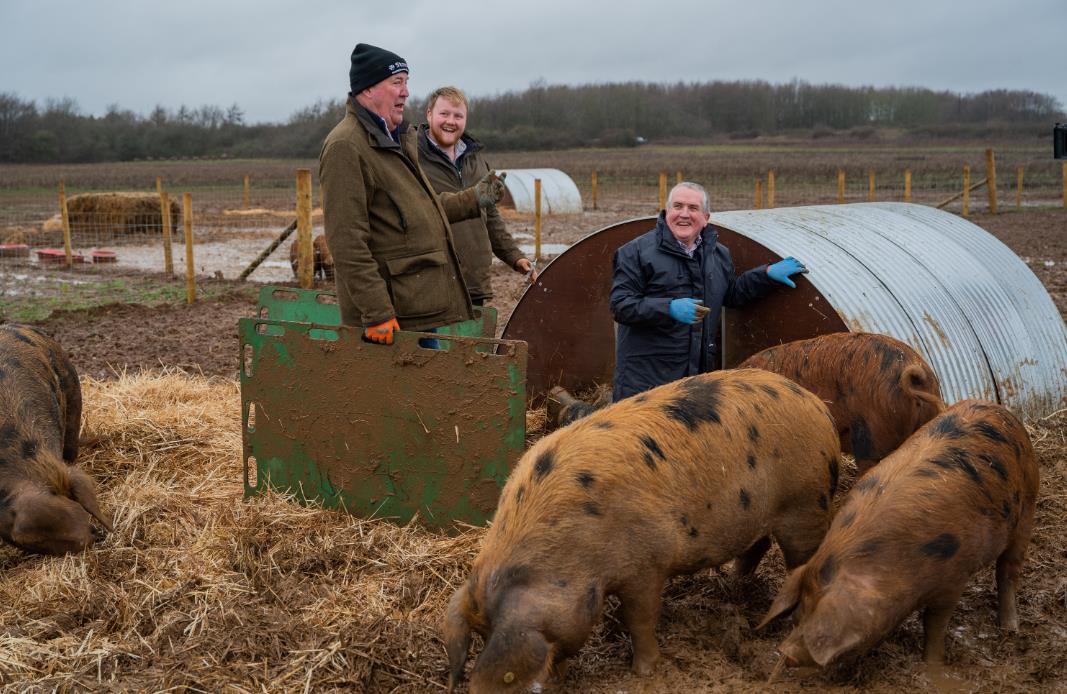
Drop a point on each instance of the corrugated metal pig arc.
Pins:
(927, 277)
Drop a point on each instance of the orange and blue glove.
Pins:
(382, 333)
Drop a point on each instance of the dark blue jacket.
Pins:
(651, 348)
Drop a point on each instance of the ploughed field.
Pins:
(199, 589)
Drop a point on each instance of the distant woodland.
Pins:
(540, 117)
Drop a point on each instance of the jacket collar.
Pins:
(372, 123)
(708, 236)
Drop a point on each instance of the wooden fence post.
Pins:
(594, 190)
(907, 185)
(306, 263)
(537, 220)
(187, 221)
(966, 190)
(870, 186)
(663, 190)
(840, 186)
(164, 214)
(770, 189)
(759, 193)
(65, 216)
(991, 179)
(677, 177)
(1019, 188)
(248, 194)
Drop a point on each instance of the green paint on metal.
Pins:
(320, 307)
(382, 431)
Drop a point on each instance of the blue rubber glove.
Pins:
(780, 271)
(684, 310)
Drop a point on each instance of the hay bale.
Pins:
(100, 217)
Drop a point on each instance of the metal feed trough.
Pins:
(378, 431)
(943, 285)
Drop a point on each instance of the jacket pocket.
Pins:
(418, 284)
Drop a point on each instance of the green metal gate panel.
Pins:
(318, 306)
(381, 431)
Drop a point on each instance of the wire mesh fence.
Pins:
(120, 223)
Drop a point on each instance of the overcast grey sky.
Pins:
(273, 58)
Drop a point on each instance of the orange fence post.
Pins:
(870, 186)
(770, 189)
(1019, 188)
(306, 263)
(65, 216)
(840, 186)
(677, 177)
(991, 179)
(168, 254)
(248, 194)
(907, 185)
(759, 193)
(966, 190)
(187, 220)
(663, 190)
(594, 190)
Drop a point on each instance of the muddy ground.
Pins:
(706, 628)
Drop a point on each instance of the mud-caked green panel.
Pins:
(319, 306)
(381, 431)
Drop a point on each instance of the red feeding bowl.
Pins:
(14, 250)
(104, 257)
(56, 256)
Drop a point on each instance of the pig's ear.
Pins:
(787, 598)
(457, 634)
(831, 630)
(83, 491)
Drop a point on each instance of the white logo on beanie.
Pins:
(396, 67)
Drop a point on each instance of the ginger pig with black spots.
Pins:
(959, 494)
(879, 389)
(682, 477)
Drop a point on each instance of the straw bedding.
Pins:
(201, 591)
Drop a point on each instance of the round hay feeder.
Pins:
(559, 194)
(109, 216)
(943, 285)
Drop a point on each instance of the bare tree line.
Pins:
(540, 117)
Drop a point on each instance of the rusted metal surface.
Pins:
(380, 431)
(566, 318)
(935, 281)
(559, 194)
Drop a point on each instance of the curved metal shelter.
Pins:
(943, 285)
(559, 194)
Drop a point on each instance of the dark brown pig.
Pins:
(683, 477)
(45, 502)
(879, 389)
(957, 495)
(322, 267)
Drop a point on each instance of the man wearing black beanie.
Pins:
(394, 258)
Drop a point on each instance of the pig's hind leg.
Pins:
(800, 532)
(1009, 566)
(749, 559)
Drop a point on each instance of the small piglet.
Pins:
(879, 389)
(957, 495)
(683, 477)
(45, 502)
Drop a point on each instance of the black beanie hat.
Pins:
(371, 65)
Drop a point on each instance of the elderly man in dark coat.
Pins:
(669, 288)
(388, 230)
